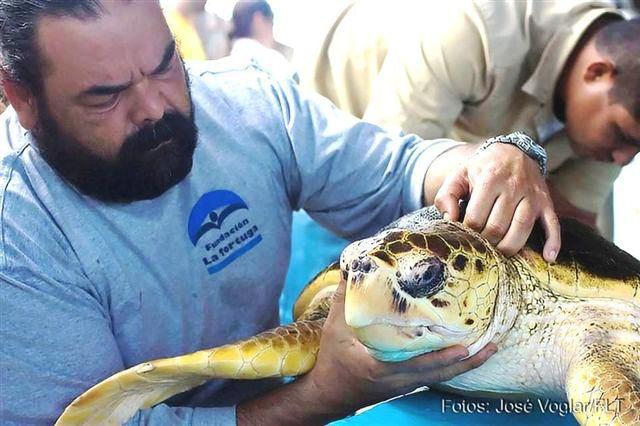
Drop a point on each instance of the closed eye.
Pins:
(105, 102)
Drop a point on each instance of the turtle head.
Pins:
(411, 292)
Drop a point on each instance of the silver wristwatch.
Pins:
(525, 144)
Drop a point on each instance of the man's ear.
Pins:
(22, 101)
(601, 70)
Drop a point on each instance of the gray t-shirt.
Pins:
(88, 289)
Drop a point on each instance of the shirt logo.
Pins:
(220, 226)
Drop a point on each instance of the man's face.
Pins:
(600, 129)
(115, 116)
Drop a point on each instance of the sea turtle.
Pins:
(568, 330)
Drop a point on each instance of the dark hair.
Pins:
(620, 42)
(19, 56)
(243, 13)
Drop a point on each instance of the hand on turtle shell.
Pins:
(347, 378)
(507, 194)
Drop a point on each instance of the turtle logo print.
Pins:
(220, 226)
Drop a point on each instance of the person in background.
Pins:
(251, 37)
(564, 72)
(201, 35)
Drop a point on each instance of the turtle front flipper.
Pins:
(317, 289)
(603, 383)
(285, 351)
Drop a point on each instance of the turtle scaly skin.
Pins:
(569, 330)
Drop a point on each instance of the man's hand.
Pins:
(346, 378)
(507, 194)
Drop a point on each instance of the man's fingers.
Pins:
(500, 218)
(519, 230)
(454, 188)
(337, 306)
(551, 226)
(470, 363)
(434, 360)
(481, 203)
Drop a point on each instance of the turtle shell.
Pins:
(587, 266)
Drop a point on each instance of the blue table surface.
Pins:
(313, 248)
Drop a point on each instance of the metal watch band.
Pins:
(525, 144)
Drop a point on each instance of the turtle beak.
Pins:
(366, 302)
(370, 297)
(364, 306)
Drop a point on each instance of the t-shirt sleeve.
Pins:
(434, 66)
(350, 175)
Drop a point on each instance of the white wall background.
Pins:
(626, 208)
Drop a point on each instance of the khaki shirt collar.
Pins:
(541, 85)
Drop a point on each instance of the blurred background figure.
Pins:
(251, 38)
(252, 25)
(201, 34)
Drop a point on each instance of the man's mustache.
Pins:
(152, 135)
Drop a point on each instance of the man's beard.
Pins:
(144, 168)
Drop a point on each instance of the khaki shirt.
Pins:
(464, 70)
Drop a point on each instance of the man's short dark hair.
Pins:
(620, 42)
(19, 56)
(243, 16)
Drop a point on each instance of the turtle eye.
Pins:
(423, 278)
(428, 276)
